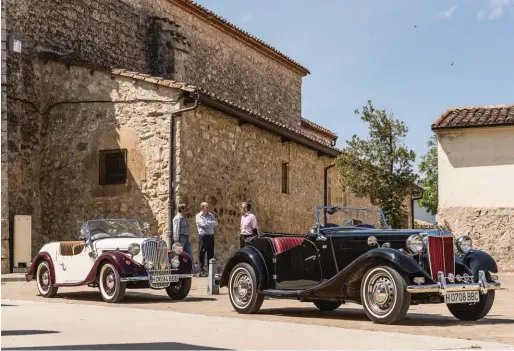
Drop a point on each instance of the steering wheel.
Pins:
(128, 235)
(100, 236)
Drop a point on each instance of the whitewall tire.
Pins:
(242, 289)
(384, 295)
(111, 288)
(44, 280)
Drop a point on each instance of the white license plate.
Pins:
(164, 278)
(462, 297)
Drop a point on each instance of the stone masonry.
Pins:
(5, 202)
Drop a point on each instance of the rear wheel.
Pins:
(242, 289)
(473, 311)
(327, 305)
(111, 288)
(44, 280)
(384, 295)
(180, 290)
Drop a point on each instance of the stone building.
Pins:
(476, 176)
(89, 136)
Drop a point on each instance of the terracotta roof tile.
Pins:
(317, 127)
(212, 17)
(475, 116)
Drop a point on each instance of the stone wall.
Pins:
(65, 166)
(5, 203)
(490, 229)
(160, 38)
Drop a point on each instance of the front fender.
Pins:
(42, 256)
(479, 260)
(186, 263)
(251, 256)
(125, 265)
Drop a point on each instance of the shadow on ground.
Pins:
(412, 319)
(141, 346)
(130, 297)
(27, 332)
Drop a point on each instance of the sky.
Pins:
(396, 53)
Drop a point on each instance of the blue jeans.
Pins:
(184, 241)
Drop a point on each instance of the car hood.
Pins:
(116, 243)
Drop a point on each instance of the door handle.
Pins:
(313, 257)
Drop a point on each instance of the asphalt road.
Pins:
(44, 326)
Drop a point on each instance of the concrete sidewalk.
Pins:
(13, 277)
(27, 324)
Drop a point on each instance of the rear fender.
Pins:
(253, 257)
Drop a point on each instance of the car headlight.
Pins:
(464, 244)
(134, 249)
(175, 262)
(148, 264)
(177, 248)
(414, 244)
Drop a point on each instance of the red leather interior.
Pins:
(284, 243)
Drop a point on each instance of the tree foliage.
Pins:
(429, 177)
(380, 167)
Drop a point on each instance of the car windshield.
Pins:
(102, 228)
(341, 216)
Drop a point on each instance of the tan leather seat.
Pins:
(71, 248)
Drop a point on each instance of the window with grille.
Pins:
(113, 167)
(285, 178)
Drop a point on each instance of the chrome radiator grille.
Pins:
(157, 252)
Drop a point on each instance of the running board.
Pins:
(281, 293)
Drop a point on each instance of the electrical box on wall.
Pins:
(22, 243)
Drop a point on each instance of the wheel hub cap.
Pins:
(110, 281)
(380, 293)
(45, 278)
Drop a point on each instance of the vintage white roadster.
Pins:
(112, 254)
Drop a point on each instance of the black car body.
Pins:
(385, 270)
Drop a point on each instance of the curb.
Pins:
(8, 279)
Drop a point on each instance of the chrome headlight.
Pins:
(414, 244)
(464, 244)
(148, 264)
(177, 249)
(175, 262)
(134, 249)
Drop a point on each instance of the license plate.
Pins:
(462, 297)
(164, 278)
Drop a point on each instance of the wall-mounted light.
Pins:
(14, 42)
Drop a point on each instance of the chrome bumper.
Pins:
(442, 287)
(146, 277)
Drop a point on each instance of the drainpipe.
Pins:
(412, 207)
(325, 195)
(171, 199)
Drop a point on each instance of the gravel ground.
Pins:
(435, 320)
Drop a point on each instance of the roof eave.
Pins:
(495, 125)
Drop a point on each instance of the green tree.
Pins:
(380, 167)
(429, 175)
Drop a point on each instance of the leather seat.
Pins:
(71, 248)
(284, 243)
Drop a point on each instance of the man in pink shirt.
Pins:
(248, 223)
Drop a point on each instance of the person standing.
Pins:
(249, 226)
(181, 230)
(205, 221)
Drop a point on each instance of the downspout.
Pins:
(325, 195)
(171, 166)
(412, 207)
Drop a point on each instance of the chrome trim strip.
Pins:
(442, 287)
(145, 277)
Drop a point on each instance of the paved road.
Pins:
(43, 325)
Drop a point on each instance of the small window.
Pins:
(285, 178)
(113, 167)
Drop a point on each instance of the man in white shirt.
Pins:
(205, 221)
(249, 226)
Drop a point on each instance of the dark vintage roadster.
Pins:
(385, 270)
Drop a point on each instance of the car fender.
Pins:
(125, 266)
(186, 263)
(251, 256)
(41, 256)
(477, 260)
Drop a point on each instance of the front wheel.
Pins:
(111, 288)
(323, 305)
(384, 295)
(180, 290)
(242, 289)
(473, 311)
(44, 280)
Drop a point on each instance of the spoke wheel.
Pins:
(179, 290)
(384, 295)
(44, 280)
(111, 288)
(243, 289)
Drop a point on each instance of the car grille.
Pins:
(441, 255)
(157, 252)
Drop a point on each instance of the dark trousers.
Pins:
(206, 245)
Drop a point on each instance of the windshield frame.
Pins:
(130, 224)
(369, 209)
